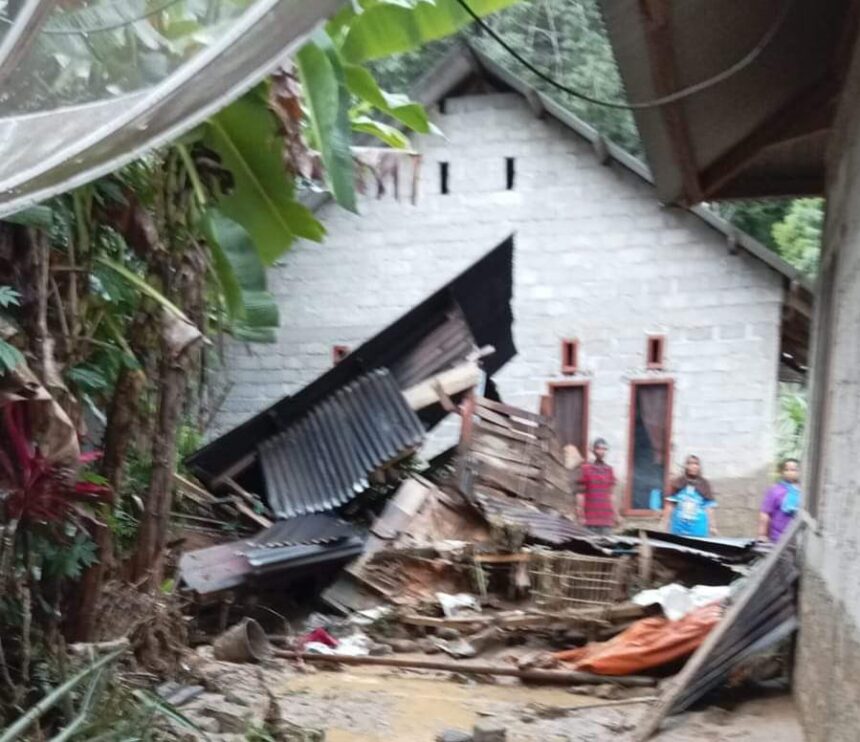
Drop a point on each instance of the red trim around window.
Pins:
(655, 352)
(586, 393)
(569, 356)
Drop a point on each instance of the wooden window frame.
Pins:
(338, 353)
(660, 363)
(569, 369)
(586, 396)
(627, 509)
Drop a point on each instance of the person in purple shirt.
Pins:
(781, 502)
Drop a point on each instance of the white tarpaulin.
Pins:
(67, 116)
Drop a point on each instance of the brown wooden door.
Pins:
(570, 410)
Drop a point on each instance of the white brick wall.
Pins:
(596, 258)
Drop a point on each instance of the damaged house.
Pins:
(661, 329)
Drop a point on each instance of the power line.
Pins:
(665, 100)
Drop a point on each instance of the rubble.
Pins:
(481, 558)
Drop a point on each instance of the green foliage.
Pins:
(361, 84)
(10, 357)
(327, 100)
(798, 235)
(9, 297)
(387, 27)
(64, 559)
(756, 218)
(242, 276)
(791, 423)
(88, 378)
(262, 198)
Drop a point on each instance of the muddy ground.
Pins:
(379, 704)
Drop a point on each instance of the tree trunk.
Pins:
(122, 418)
(152, 537)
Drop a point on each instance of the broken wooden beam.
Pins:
(558, 677)
(451, 382)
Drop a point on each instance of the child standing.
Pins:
(781, 502)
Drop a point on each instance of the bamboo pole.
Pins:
(560, 677)
(23, 723)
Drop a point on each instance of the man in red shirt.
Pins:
(595, 501)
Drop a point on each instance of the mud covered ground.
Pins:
(383, 705)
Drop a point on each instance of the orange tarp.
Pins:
(648, 643)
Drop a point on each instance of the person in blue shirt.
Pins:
(690, 503)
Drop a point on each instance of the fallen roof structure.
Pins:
(471, 311)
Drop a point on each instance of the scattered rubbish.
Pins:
(317, 636)
(677, 601)
(462, 604)
(244, 642)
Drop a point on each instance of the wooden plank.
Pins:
(193, 490)
(561, 677)
(260, 520)
(453, 381)
(649, 725)
(503, 558)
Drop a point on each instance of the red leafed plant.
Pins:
(39, 490)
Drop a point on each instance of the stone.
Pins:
(403, 646)
(380, 650)
(489, 731)
(449, 633)
(453, 735)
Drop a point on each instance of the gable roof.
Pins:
(465, 62)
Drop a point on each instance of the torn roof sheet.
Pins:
(323, 460)
(285, 546)
(548, 528)
(481, 294)
(318, 528)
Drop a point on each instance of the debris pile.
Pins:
(475, 567)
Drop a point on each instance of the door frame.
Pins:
(585, 384)
(631, 441)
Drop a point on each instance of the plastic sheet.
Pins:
(648, 643)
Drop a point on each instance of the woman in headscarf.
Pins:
(690, 503)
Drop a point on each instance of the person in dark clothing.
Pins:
(595, 501)
(690, 503)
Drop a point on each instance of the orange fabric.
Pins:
(648, 643)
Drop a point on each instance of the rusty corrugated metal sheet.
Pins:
(443, 347)
(322, 461)
(548, 528)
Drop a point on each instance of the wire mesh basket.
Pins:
(563, 579)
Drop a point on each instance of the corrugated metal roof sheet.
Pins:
(323, 461)
(318, 528)
(441, 348)
(285, 546)
(287, 558)
(549, 528)
(481, 295)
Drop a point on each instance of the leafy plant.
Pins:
(39, 489)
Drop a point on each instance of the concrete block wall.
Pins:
(828, 663)
(596, 258)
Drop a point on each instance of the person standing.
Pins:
(690, 503)
(781, 503)
(595, 500)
